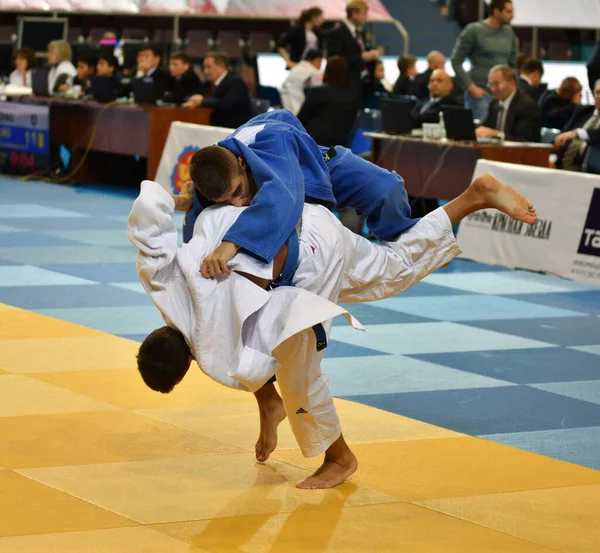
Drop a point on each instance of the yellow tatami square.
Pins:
(18, 323)
(99, 437)
(196, 487)
(22, 395)
(431, 469)
(125, 388)
(566, 519)
(115, 540)
(28, 507)
(386, 528)
(67, 354)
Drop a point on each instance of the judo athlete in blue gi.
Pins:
(273, 166)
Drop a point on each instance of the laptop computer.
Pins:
(144, 92)
(396, 116)
(103, 89)
(459, 124)
(39, 81)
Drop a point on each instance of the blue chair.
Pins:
(367, 120)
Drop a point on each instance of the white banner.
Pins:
(184, 140)
(566, 239)
(577, 14)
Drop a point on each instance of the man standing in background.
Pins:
(487, 44)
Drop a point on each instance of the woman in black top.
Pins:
(302, 37)
(329, 111)
(558, 106)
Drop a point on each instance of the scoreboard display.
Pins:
(24, 138)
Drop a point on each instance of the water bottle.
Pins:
(442, 126)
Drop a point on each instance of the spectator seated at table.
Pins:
(408, 70)
(108, 66)
(184, 81)
(62, 71)
(24, 61)
(440, 87)
(420, 84)
(581, 132)
(148, 66)
(226, 93)
(513, 114)
(530, 78)
(558, 106)
(86, 66)
(380, 84)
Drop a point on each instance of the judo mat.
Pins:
(472, 403)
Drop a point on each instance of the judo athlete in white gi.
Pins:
(242, 335)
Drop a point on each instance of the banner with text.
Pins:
(184, 140)
(566, 239)
(24, 137)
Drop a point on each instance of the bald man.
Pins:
(419, 87)
(440, 95)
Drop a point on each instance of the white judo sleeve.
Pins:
(341, 266)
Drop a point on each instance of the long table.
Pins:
(124, 129)
(443, 170)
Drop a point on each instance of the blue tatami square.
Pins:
(587, 301)
(489, 410)
(397, 374)
(568, 331)
(585, 391)
(377, 314)
(341, 349)
(31, 211)
(68, 255)
(473, 308)
(406, 339)
(49, 297)
(529, 366)
(26, 239)
(74, 224)
(100, 272)
(26, 275)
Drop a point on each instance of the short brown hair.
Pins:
(219, 57)
(532, 65)
(337, 72)
(405, 63)
(29, 55)
(211, 170)
(356, 6)
(507, 72)
(183, 57)
(309, 14)
(498, 5)
(569, 88)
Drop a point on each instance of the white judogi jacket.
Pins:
(217, 318)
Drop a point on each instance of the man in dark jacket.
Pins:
(185, 82)
(440, 95)
(420, 84)
(530, 78)
(226, 93)
(581, 132)
(512, 115)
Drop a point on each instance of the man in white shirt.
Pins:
(303, 75)
(242, 335)
(513, 114)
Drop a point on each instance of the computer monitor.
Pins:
(459, 123)
(396, 115)
(37, 32)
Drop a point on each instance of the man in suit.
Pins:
(420, 84)
(530, 78)
(581, 132)
(184, 81)
(349, 40)
(440, 95)
(593, 66)
(148, 67)
(227, 94)
(512, 115)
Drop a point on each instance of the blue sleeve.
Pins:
(266, 224)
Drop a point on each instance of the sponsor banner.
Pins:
(332, 9)
(184, 140)
(24, 137)
(566, 239)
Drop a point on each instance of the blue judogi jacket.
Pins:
(289, 168)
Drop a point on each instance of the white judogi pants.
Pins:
(341, 266)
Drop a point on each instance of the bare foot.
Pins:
(497, 195)
(272, 412)
(330, 474)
